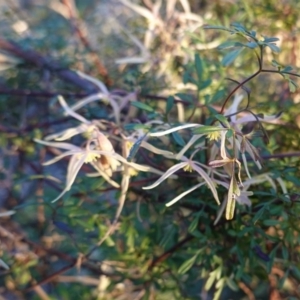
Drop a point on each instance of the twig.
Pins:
(40, 94)
(41, 62)
(246, 290)
(169, 252)
(51, 277)
(77, 24)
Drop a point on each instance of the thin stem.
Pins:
(279, 72)
(260, 62)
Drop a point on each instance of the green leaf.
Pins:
(287, 69)
(198, 66)
(271, 222)
(217, 96)
(283, 279)
(276, 64)
(218, 293)
(251, 45)
(178, 139)
(187, 78)
(273, 47)
(169, 237)
(134, 149)
(231, 56)
(229, 133)
(142, 106)
(226, 45)
(216, 27)
(185, 97)
(270, 39)
(212, 110)
(239, 27)
(258, 214)
(187, 264)
(210, 281)
(170, 104)
(231, 284)
(285, 253)
(136, 127)
(222, 119)
(296, 272)
(204, 84)
(293, 86)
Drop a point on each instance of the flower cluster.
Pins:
(224, 140)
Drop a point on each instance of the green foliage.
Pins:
(187, 85)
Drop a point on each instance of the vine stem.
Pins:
(260, 63)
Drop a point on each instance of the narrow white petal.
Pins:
(169, 172)
(104, 175)
(7, 213)
(97, 82)
(193, 139)
(88, 100)
(155, 150)
(74, 166)
(115, 108)
(246, 165)
(208, 180)
(282, 185)
(70, 112)
(234, 107)
(60, 195)
(66, 146)
(184, 193)
(161, 133)
(223, 148)
(251, 118)
(220, 211)
(59, 157)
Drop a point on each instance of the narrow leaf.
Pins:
(231, 56)
(251, 45)
(204, 84)
(217, 27)
(226, 45)
(142, 106)
(270, 39)
(287, 69)
(179, 140)
(198, 66)
(293, 86)
(273, 47)
(260, 253)
(136, 126)
(210, 281)
(271, 222)
(170, 104)
(187, 265)
(134, 149)
(222, 119)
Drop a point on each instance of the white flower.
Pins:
(187, 165)
(79, 156)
